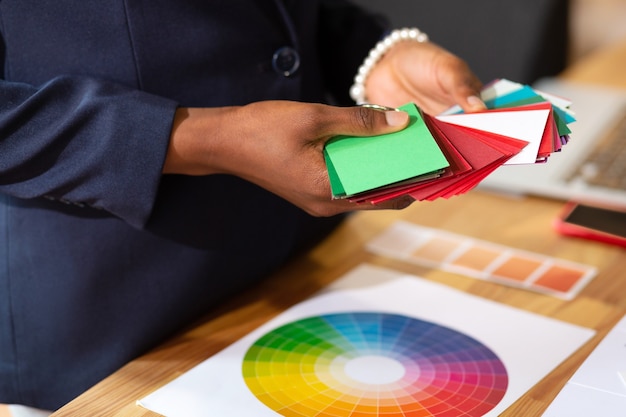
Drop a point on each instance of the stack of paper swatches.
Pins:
(448, 155)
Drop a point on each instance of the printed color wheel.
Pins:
(363, 364)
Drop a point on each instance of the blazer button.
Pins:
(286, 61)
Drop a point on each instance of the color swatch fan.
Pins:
(448, 155)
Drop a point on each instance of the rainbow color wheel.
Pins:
(363, 364)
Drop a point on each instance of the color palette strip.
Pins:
(484, 260)
(373, 364)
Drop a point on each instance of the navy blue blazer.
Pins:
(102, 257)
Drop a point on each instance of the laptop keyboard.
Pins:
(605, 166)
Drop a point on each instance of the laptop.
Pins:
(599, 133)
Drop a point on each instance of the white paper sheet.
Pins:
(528, 345)
(526, 125)
(598, 386)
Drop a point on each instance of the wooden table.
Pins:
(524, 223)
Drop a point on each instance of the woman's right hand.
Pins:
(277, 145)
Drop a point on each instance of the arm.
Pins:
(77, 140)
(276, 145)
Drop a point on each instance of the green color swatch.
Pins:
(359, 164)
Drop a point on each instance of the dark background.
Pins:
(522, 40)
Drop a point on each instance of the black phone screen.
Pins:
(602, 219)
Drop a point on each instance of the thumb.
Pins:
(371, 120)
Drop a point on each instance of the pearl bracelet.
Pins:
(357, 91)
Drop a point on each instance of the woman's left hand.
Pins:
(425, 74)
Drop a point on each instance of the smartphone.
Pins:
(595, 223)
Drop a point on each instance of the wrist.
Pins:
(195, 133)
(357, 91)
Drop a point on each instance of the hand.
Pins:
(277, 145)
(425, 74)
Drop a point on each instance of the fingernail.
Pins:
(476, 102)
(396, 118)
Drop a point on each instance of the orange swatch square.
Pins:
(560, 278)
(437, 249)
(477, 258)
(517, 268)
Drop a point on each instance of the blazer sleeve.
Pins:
(84, 141)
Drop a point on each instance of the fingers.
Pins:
(426, 74)
(473, 103)
(397, 203)
(459, 83)
(468, 97)
(333, 207)
(368, 121)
